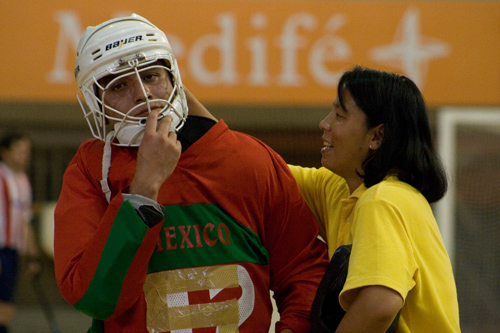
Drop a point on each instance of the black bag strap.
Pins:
(326, 312)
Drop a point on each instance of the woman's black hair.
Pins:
(407, 149)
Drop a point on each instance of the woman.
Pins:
(380, 173)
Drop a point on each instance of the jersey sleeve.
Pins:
(99, 248)
(298, 258)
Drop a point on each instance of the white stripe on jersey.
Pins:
(19, 199)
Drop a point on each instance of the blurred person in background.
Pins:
(380, 174)
(16, 231)
(169, 222)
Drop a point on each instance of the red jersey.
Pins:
(235, 227)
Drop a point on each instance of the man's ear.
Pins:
(378, 137)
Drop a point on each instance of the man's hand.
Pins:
(157, 157)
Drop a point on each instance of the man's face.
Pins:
(125, 92)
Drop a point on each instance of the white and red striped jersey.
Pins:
(15, 207)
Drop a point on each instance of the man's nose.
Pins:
(142, 92)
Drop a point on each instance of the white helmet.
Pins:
(121, 47)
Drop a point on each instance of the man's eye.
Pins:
(119, 86)
(149, 77)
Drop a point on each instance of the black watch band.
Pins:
(150, 215)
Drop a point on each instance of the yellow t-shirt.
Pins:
(396, 244)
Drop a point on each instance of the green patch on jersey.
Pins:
(204, 235)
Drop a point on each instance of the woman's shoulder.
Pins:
(393, 190)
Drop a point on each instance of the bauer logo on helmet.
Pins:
(119, 43)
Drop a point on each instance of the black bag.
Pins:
(326, 312)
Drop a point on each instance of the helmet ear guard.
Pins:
(125, 46)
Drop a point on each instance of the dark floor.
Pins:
(31, 319)
(33, 312)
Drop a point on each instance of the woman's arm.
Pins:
(195, 108)
(373, 310)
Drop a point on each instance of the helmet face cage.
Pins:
(106, 50)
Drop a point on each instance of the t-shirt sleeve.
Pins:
(382, 253)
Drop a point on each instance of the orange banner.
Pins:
(268, 52)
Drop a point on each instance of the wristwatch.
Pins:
(150, 215)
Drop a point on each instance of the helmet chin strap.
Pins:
(106, 163)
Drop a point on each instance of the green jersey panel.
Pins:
(203, 235)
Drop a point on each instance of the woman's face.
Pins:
(18, 156)
(346, 138)
(127, 92)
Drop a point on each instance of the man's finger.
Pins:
(152, 121)
(165, 124)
